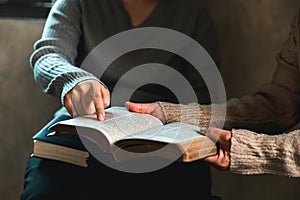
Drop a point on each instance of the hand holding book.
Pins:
(223, 137)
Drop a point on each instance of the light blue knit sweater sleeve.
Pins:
(54, 54)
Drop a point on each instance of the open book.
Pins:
(128, 135)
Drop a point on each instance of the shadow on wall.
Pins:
(24, 107)
(250, 35)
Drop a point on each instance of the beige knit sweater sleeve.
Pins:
(253, 153)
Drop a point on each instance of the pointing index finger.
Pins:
(99, 107)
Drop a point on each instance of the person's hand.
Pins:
(88, 97)
(221, 160)
(153, 109)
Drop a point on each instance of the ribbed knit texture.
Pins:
(200, 115)
(54, 56)
(253, 153)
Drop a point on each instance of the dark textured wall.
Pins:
(251, 32)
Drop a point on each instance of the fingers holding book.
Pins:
(221, 160)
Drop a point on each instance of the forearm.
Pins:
(253, 153)
(53, 59)
(57, 76)
(201, 115)
(273, 109)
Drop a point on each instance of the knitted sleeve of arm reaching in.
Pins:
(53, 59)
(253, 153)
(200, 115)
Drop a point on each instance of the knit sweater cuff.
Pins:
(192, 113)
(253, 153)
(73, 81)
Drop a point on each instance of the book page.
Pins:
(173, 133)
(119, 123)
(174, 141)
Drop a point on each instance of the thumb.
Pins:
(138, 107)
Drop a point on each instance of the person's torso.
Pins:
(102, 20)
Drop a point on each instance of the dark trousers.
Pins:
(49, 179)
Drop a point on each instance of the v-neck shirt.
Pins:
(152, 14)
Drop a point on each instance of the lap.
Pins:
(49, 179)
